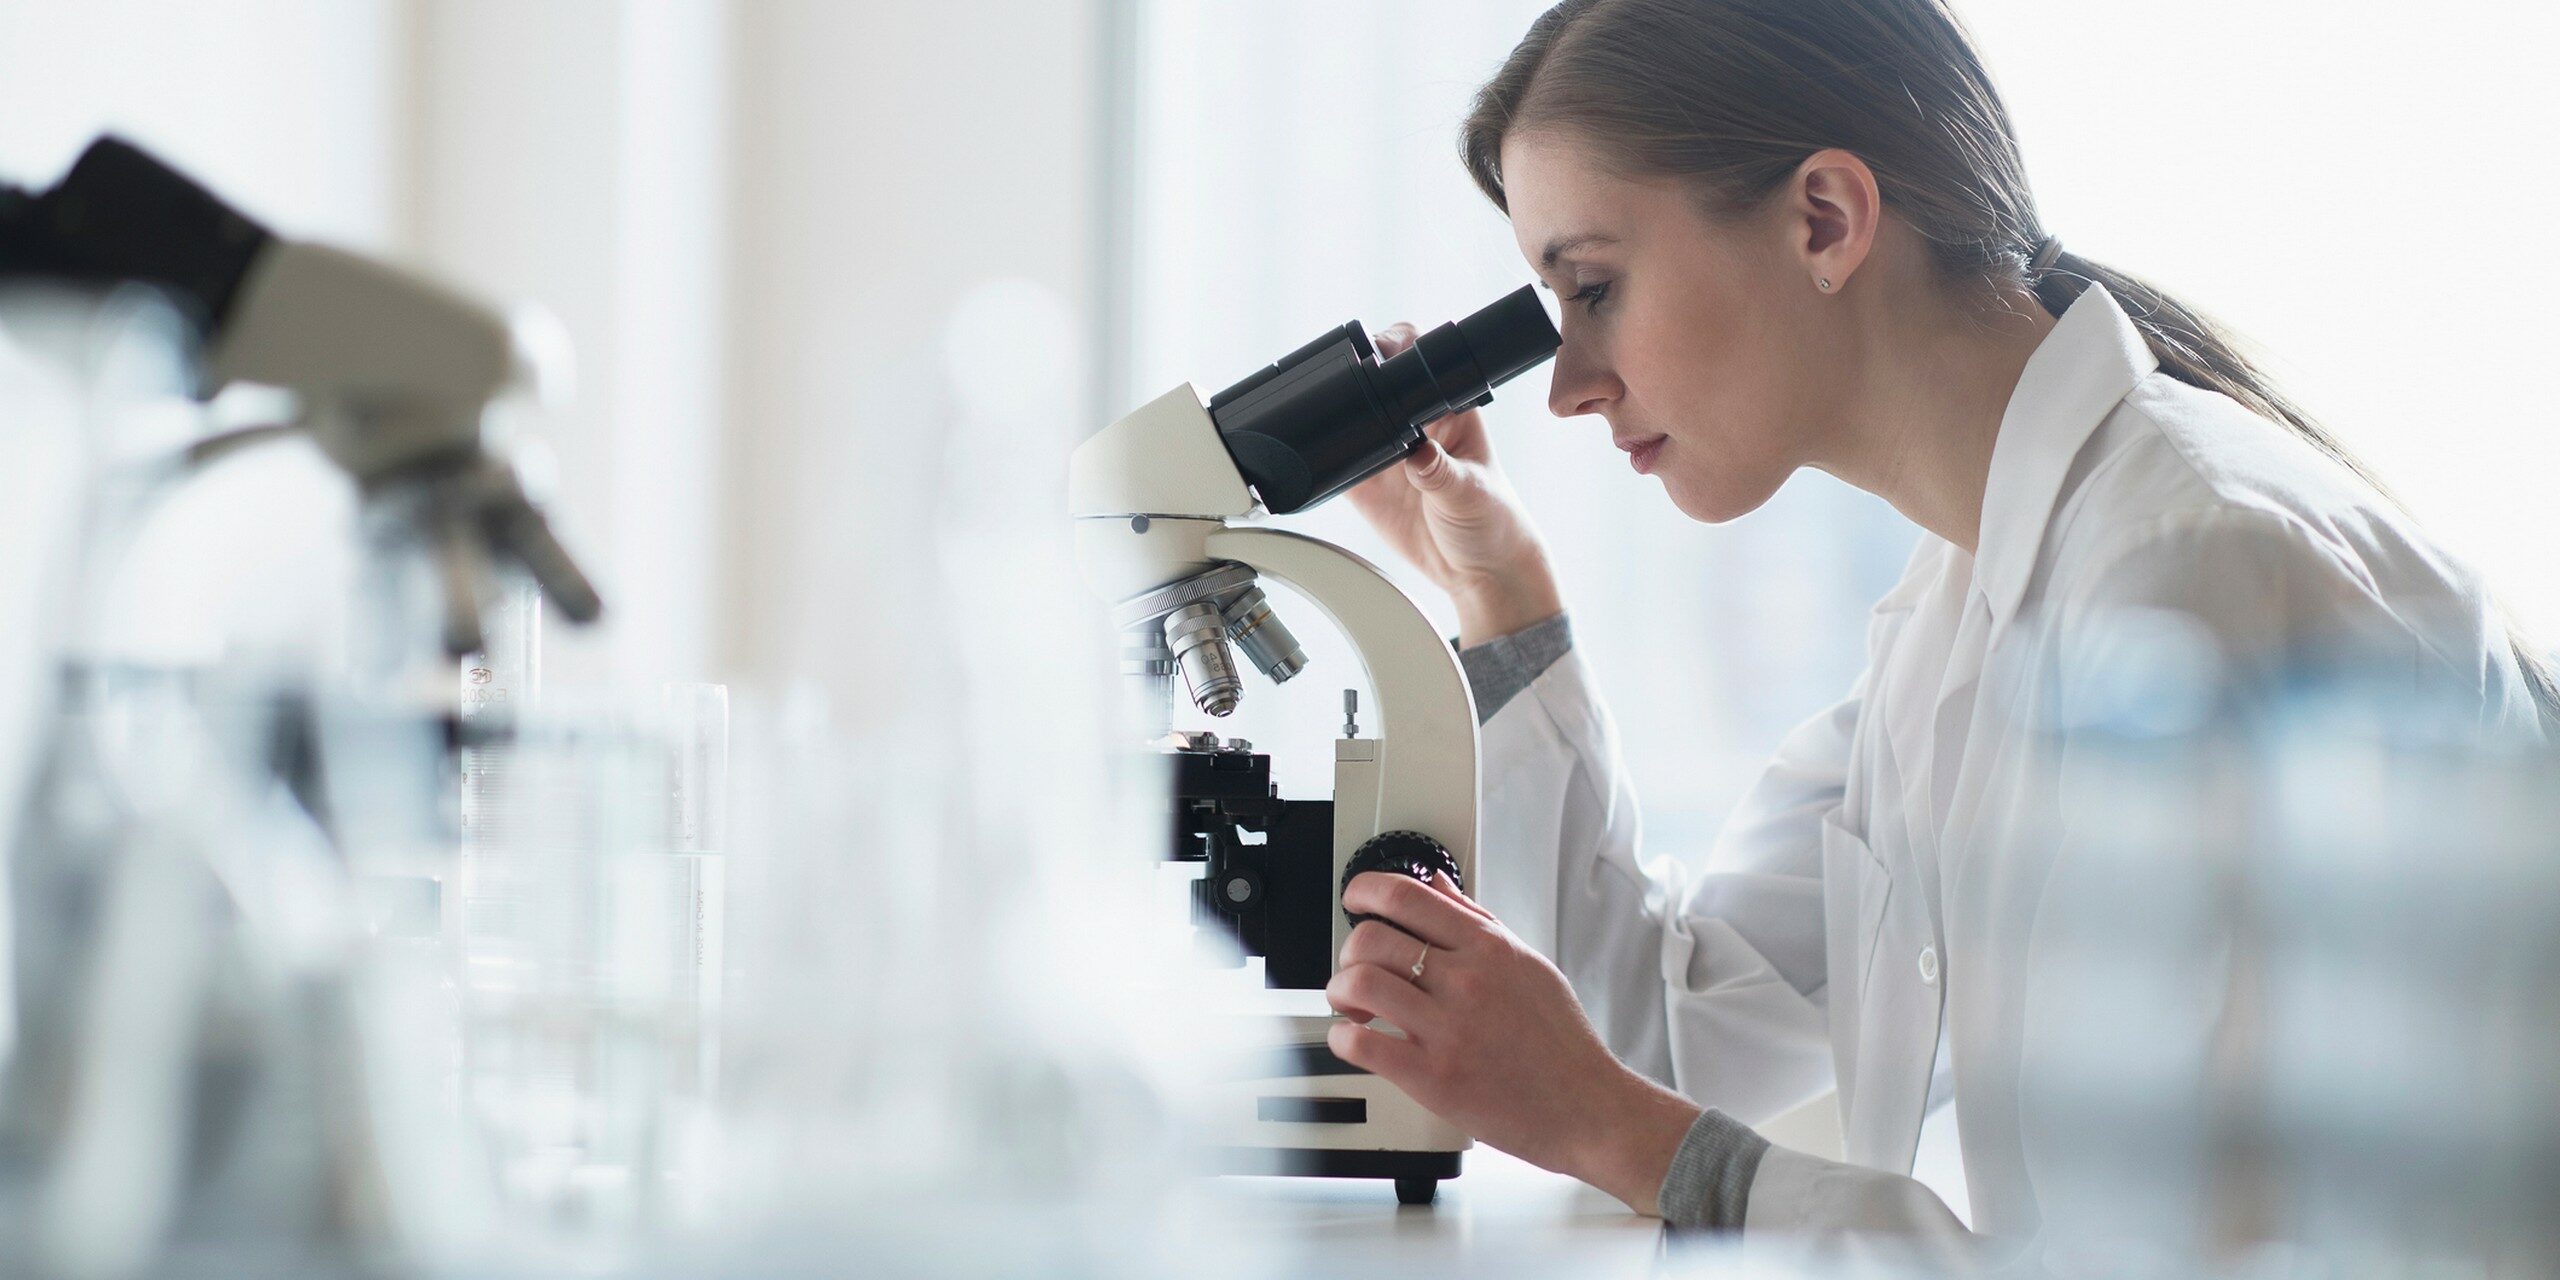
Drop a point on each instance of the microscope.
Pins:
(190, 1075)
(1159, 500)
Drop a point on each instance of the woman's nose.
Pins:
(1581, 386)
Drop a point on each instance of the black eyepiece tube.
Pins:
(1512, 336)
(1331, 415)
(123, 214)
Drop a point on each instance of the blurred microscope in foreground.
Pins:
(2310, 928)
(2294, 1005)
(199, 1068)
(334, 956)
(1153, 496)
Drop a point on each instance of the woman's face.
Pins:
(1696, 338)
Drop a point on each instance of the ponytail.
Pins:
(2200, 353)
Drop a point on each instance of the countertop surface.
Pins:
(1501, 1216)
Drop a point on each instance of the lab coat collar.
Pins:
(2090, 360)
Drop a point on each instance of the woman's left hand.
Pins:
(1494, 1041)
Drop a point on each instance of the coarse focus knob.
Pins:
(1408, 853)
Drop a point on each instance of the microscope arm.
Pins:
(1424, 771)
(1423, 714)
(1153, 493)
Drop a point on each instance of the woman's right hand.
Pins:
(1449, 510)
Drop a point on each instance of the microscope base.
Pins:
(1417, 1174)
(1302, 1112)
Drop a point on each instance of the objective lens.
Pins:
(1146, 666)
(1262, 636)
(1198, 637)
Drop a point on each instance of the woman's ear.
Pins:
(1833, 210)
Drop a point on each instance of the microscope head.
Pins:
(394, 372)
(1150, 490)
(1331, 414)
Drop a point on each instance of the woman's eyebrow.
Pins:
(1563, 245)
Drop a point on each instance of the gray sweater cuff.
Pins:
(1499, 669)
(1709, 1185)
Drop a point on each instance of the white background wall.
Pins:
(291, 104)
(757, 220)
(896, 161)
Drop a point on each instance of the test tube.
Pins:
(696, 718)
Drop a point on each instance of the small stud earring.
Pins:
(1824, 282)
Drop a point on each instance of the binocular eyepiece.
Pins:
(1331, 414)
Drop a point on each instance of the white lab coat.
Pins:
(1885, 871)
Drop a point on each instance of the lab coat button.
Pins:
(1929, 965)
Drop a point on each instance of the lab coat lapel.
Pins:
(2084, 368)
(1952, 730)
(1895, 1015)
(1886, 1088)
(1911, 1004)
(2075, 378)
(1936, 739)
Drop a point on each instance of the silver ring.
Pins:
(1417, 962)
(2047, 252)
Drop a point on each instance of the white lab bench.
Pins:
(1500, 1217)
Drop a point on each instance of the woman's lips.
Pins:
(1641, 453)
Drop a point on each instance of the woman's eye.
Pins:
(1590, 295)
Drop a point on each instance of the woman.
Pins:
(1796, 233)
